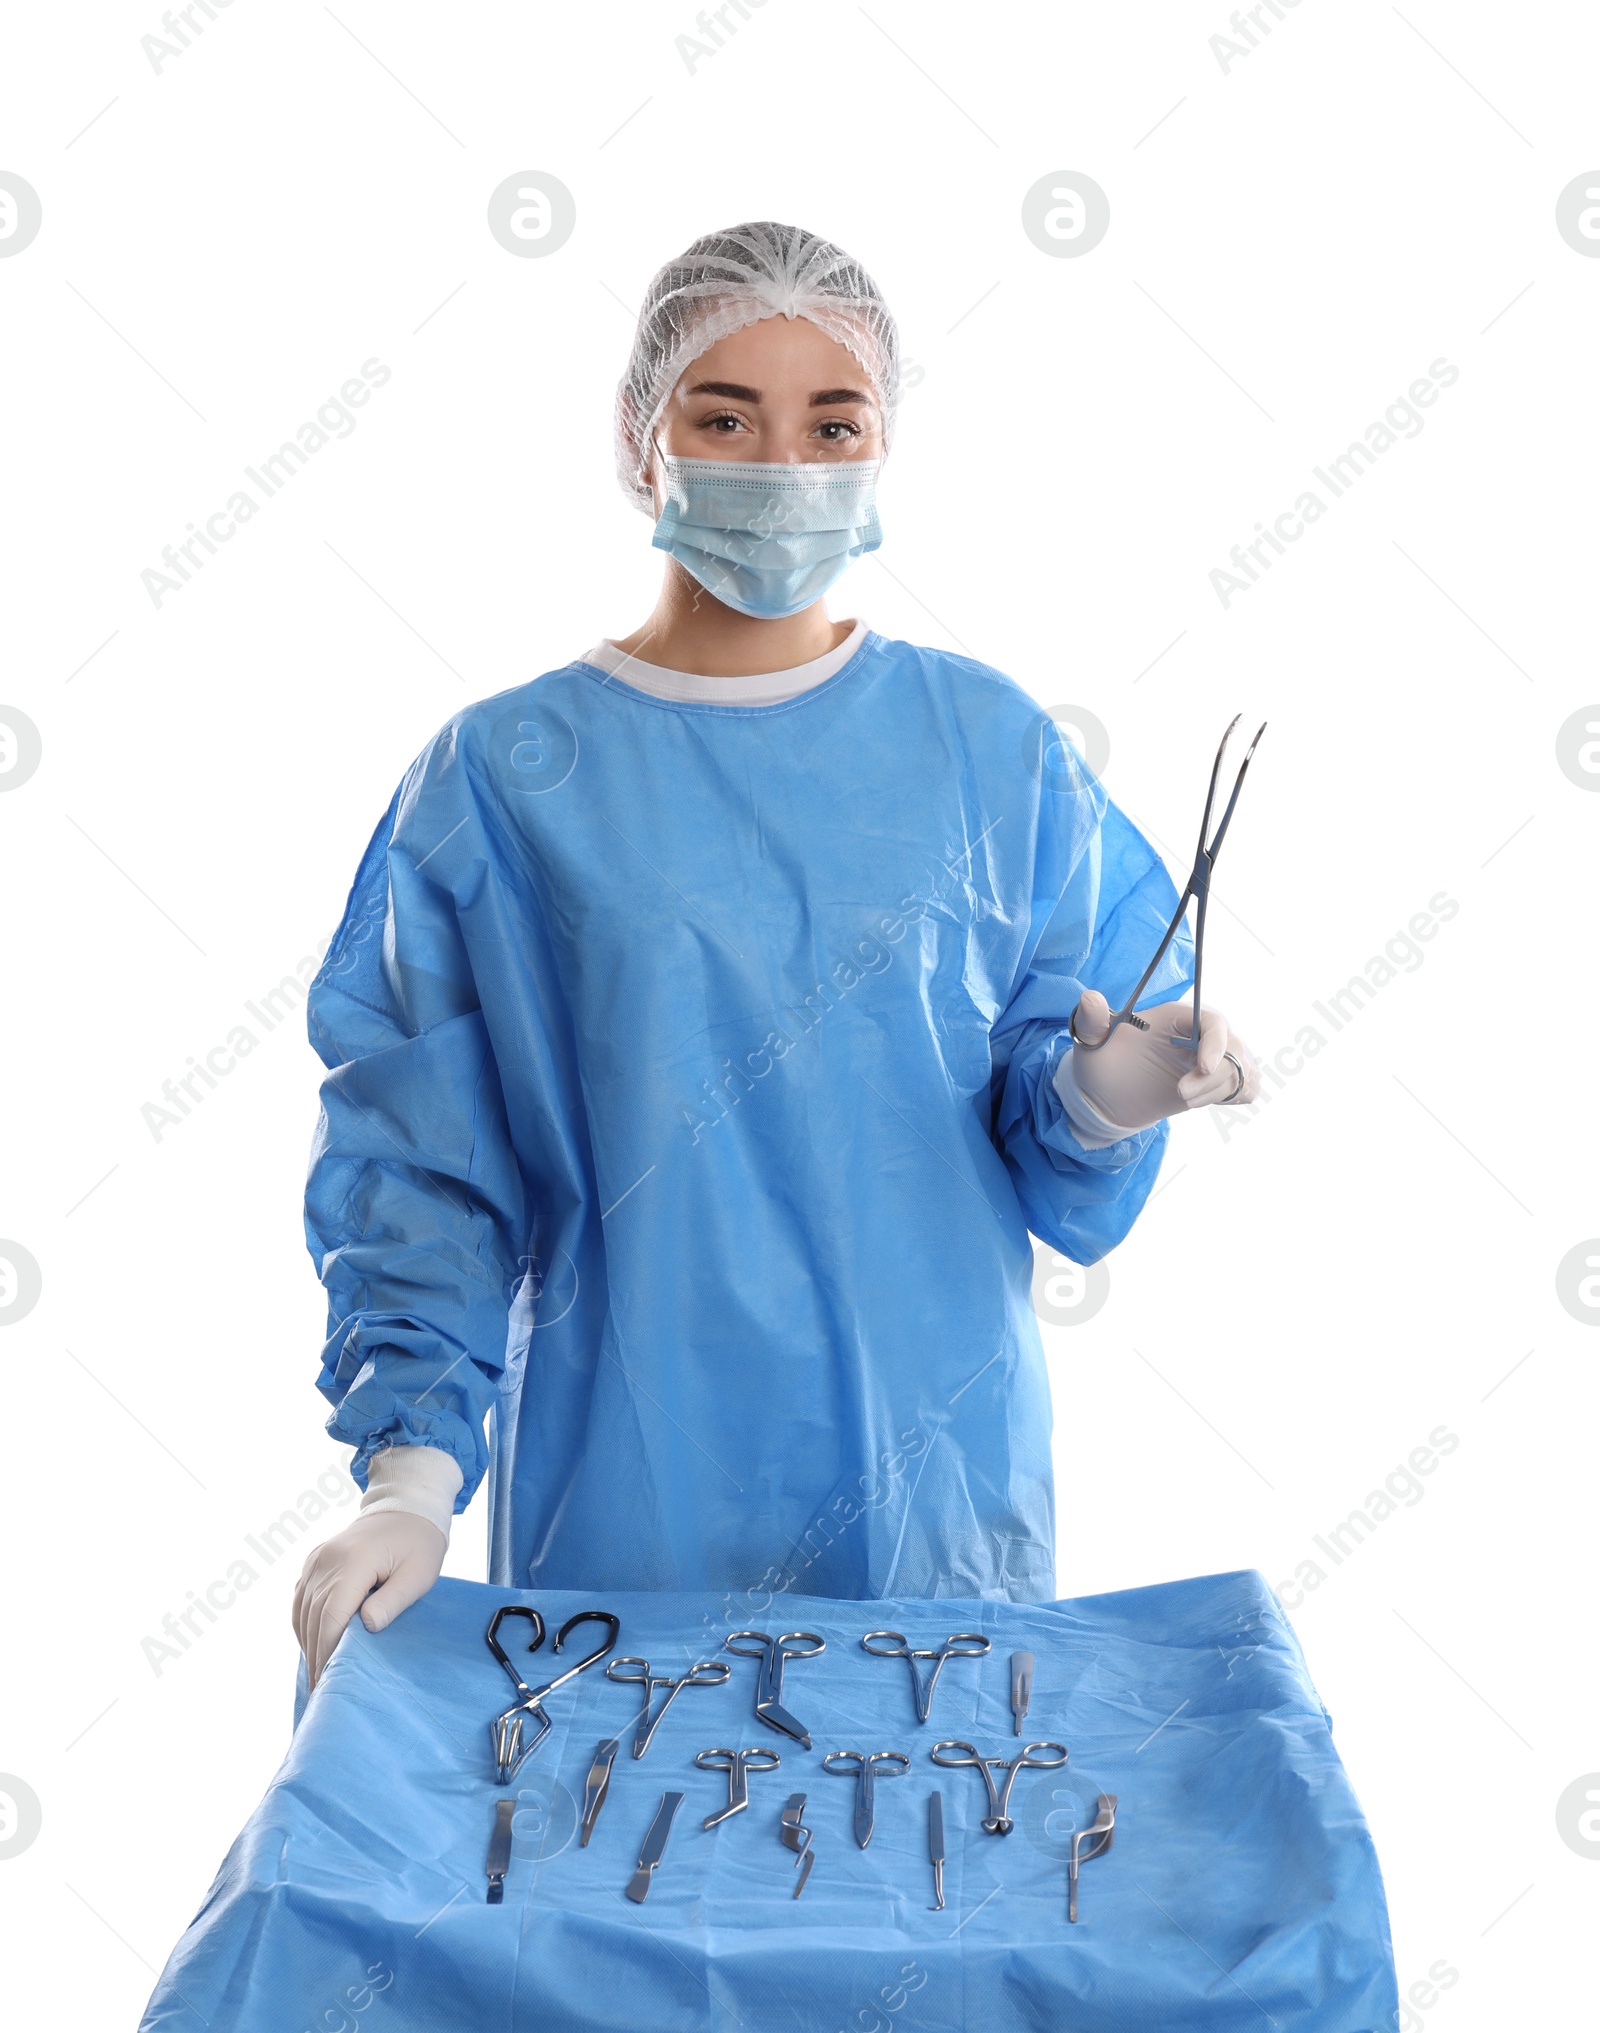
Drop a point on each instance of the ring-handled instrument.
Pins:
(892, 1645)
(1021, 1688)
(997, 1821)
(499, 1852)
(736, 1764)
(772, 1652)
(1099, 1833)
(1199, 888)
(794, 1835)
(596, 1787)
(936, 1847)
(866, 1767)
(703, 1673)
(511, 1751)
(638, 1889)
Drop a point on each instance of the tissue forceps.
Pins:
(505, 1732)
(1199, 887)
(964, 1645)
(997, 1821)
(703, 1673)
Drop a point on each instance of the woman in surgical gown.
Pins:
(698, 1046)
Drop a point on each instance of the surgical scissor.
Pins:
(736, 1764)
(505, 1732)
(769, 1681)
(703, 1673)
(1199, 887)
(864, 1770)
(964, 1645)
(997, 1821)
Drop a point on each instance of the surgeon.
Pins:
(701, 1048)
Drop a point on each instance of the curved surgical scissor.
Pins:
(769, 1681)
(735, 1764)
(703, 1673)
(997, 1821)
(864, 1770)
(964, 1645)
(505, 1732)
(1199, 887)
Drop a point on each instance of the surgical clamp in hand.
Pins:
(1100, 1832)
(769, 1681)
(965, 1645)
(1199, 887)
(997, 1821)
(703, 1673)
(863, 1769)
(735, 1764)
(794, 1836)
(505, 1732)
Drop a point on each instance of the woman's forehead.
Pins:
(790, 349)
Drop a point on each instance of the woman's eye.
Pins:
(835, 430)
(725, 426)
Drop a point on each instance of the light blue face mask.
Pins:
(767, 539)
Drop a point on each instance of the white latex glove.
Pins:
(1137, 1078)
(378, 1565)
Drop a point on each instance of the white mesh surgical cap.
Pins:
(734, 278)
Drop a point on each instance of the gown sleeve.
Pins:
(415, 1204)
(1102, 899)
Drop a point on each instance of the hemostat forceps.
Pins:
(505, 1732)
(703, 1673)
(997, 1821)
(1199, 887)
(965, 1645)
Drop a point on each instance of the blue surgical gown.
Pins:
(688, 1106)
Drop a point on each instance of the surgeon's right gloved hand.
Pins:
(385, 1559)
(1137, 1077)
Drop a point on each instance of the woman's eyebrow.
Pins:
(826, 398)
(734, 391)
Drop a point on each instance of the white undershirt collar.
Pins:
(769, 689)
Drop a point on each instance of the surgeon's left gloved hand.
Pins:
(1136, 1078)
(385, 1559)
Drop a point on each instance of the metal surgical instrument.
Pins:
(769, 1681)
(863, 1769)
(703, 1673)
(505, 1732)
(499, 1852)
(797, 1838)
(936, 1847)
(1021, 1688)
(965, 1645)
(654, 1843)
(1101, 1832)
(735, 1764)
(596, 1787)
(1199, 887)
(997, 1821)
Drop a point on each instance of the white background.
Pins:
(1293, 241)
